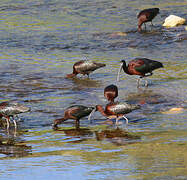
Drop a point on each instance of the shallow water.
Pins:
(40, 42)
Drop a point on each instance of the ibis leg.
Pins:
(15, 124)
(146, 83)
(8, 122)
(127, 121)
(77, 124)
(145, 26)
(117, 119)
(138, 82)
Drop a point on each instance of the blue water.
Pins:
(39, 43)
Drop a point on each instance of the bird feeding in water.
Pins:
(75, 112)
(111, 92)
(146, 15)
(10, 110)
(142, 67)
(115, 110)
(85, 68)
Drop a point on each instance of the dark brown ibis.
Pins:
(142, 67)
(146, 15)
(115, 110)
(111, 92)
(10, 109)
(85, 68)
(75, 112)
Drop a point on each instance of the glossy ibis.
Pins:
(140, 67)
(10, 109)
(84, 67)
(111, 92)
(75, 112)
(146, 15)
(115, 110)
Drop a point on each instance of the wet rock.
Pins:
(173, 21)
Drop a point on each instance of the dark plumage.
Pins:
(75, 112)
(10, 109)
(116, 110)
(146, 15)
(111, 92)
(85, 68)
(140, 66)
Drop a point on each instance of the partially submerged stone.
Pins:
(175, 110)
(117, 34)
(173, 21)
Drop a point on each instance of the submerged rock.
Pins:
(174, 110)
(173, 21)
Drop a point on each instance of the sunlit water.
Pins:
(39, 43)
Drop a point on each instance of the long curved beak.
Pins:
(120, 68)
(89, 117)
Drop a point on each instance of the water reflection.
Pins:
(152, 102)
(38, 42)
(82, 82)
(116, 136)
(146, 96)
(14, 147)
(78, 132)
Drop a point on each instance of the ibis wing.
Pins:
(121, 108)
(147, 65)
(81, 111)
(139, 65)
(90, 66)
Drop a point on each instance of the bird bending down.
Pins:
(115, 110)
(85, 68)
(146, 15)
(111, 92)
(142, 67)
(10, 109)
(75, 112)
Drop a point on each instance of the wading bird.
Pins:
(75, 112)
(10, 109)
(140, 67)
(85, 68)
(115, 110)
(146, 15)
(111, 92)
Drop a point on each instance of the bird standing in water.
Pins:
(115, 110)
(146, 15)
(85, 68)
(111, 92)
(10, 109)
(75, 112)
(139, 66)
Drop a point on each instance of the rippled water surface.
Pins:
(39, 43)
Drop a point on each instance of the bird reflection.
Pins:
(146, 96)
(117, 136)
(77, 134)
(78, 131)
(11, 147)
(85, 83)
